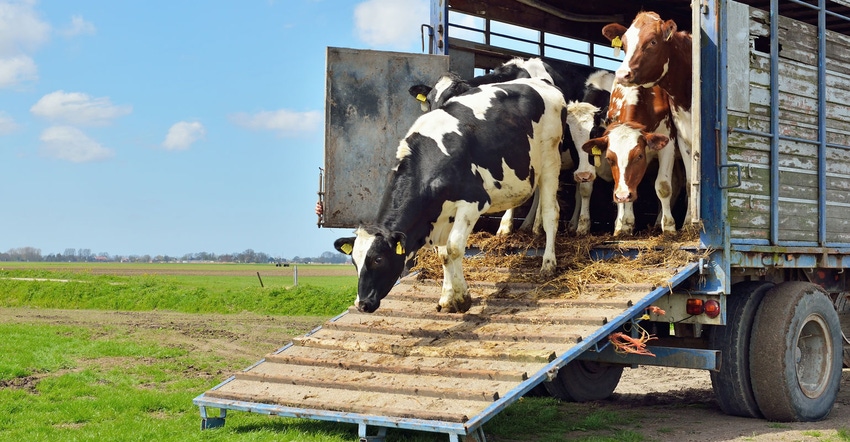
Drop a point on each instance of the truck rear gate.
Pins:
(403, 367)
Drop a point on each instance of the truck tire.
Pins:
(795, 353)
(581, 381)
(842, 306)
(732, 387)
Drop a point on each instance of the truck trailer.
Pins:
(763, 303)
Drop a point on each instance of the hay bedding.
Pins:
(514, 258)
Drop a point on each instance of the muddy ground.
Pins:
(679, 403)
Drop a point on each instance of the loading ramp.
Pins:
(407, 366)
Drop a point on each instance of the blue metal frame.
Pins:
(713, 124)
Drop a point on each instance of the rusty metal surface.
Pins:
(367, 111)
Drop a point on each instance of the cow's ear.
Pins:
(595, 146)
(419, 92)
(344, 245)
(656, 141)
(613, 30)
(668, 29)
(397, 239)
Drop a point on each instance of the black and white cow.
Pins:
(485, 151)
(588, 119)
(570, 79)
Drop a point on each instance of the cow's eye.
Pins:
(653, 42)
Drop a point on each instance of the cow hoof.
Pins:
(457, 307)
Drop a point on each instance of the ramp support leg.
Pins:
(212, 422)
(475, 436)
(361, 432)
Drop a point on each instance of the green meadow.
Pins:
(71, 371)
(321, 290)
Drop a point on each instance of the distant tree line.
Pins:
(32, 254)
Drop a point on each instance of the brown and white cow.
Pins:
(658, 54)
(639, 133)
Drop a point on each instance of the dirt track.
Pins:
(679, 404)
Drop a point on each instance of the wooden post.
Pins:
(295, 276)
(261, 279)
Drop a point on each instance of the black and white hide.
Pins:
(485, 151)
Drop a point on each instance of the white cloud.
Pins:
(78, 26)
(183, 134)
(21, 32)
(7, 124)
(71, 144)
(17, 69)
(393, 23)
(284, 122)
(78, 108)
(21, 29)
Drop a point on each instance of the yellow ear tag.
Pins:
(421, 97)
(616, 43)
(597, 152)
(346, 248)
(399, 249)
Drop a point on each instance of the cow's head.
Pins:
(581, 118)
(648, 48)
(624, 146)
(379, 256)
(448, 86)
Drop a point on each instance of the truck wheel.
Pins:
(581, 381)
(732, 387)
(795, 353)
(842, 306)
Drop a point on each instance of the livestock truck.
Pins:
(763, 304)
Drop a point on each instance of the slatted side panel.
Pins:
(749, 205)
(408, 361)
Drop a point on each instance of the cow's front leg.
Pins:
(664, 189)
(585, 190)
(455, 296)
(625, 223)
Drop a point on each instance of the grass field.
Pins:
(322, 290)
(117, 352)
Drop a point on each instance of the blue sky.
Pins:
(154, 127)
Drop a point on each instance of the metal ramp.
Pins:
(407, 366)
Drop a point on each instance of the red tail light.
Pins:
(695, 307)
(712, 308)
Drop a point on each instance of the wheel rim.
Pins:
(814, 355)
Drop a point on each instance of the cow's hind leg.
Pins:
(455, 295)
(549, 210)
(506, 225)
